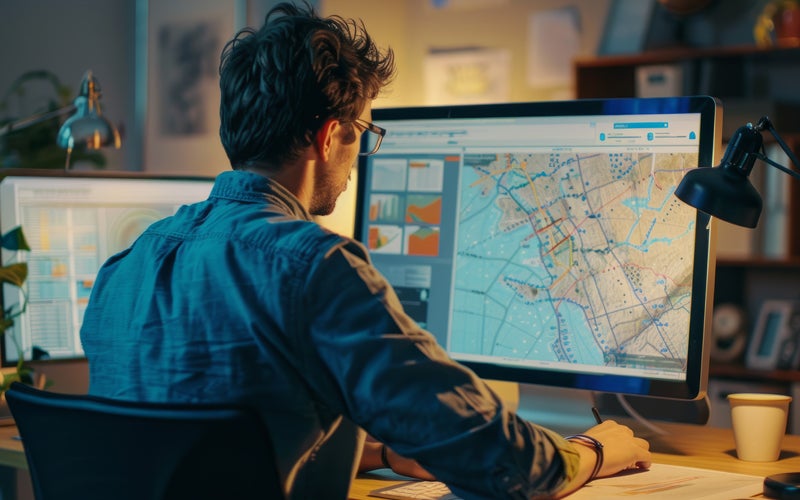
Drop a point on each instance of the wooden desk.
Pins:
(11, 452)
(12, 459)
(687, 445)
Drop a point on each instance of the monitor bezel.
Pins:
(710, 112)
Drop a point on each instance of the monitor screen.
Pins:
(541, 242)
(73, 223)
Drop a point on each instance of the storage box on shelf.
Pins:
(725, 72)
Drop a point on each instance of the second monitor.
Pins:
(73, 222)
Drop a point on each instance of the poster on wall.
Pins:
(554, 40)
(183, 45)
(467, 76)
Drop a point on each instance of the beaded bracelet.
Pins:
(598, 449)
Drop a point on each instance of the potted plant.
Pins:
(14, 273)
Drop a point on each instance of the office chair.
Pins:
(86, 447)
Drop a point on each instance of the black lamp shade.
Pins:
(725, 191)
(722, 193)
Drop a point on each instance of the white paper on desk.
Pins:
(671, 481)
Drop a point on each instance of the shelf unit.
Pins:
(743, 71)
(746, 79)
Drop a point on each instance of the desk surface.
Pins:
(686, 445)
(11, 452)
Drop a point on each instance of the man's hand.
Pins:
(621, 451)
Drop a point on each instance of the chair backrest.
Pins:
(80, 446)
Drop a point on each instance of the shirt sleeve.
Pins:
(391, 377)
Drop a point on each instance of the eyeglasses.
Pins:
(373, 139)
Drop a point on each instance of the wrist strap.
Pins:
(385, 457)
(598, 449)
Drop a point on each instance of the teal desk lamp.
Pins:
(86, 128)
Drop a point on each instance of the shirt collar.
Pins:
(252, 187)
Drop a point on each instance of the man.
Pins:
(244, 298)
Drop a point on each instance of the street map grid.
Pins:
(578, 258)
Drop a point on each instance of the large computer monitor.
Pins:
(541, 242)
(74, 221)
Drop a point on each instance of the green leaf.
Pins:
(14, 274)
(15, 240)
(25, 373)
(8, 380)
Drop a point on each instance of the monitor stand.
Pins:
(566, 411)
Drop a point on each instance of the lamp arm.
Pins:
(777, 165)
(34, 119)
(766, 123)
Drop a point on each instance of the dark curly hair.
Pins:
(279, 84)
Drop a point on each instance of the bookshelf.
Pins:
(750, 82)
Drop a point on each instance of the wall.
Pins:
(414, 28)
(69, 38)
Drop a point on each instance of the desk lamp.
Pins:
(87, 127)
(725, 191)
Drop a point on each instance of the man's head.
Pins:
(279, 85)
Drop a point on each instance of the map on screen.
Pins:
(574, 258)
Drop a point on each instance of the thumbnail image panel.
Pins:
(389, 175)
(424, 209)
(422, 240)
(385, 239)
(425, 175)
(386, 208)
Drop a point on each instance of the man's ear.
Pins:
(324, 138)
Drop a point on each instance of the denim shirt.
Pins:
(243, 298)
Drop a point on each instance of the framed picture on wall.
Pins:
(470, 75)
(775, 343)
(178, 86)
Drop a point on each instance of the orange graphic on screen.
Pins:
(423, 241)
(376, 239)
(385, 239)
(424, 209)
